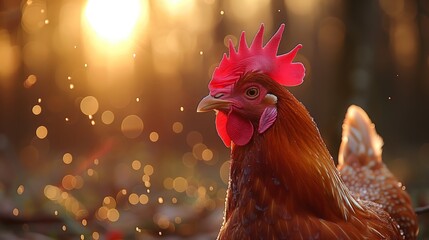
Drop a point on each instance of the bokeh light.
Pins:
(20, 189)
(109, 202)
(71, 182)
(143, 199)
(107, 117)
(148, 170)
(41, 132)
(34, 16)
(15, 211)
(177, 127)
(153, 136)
(113, 215)
(95, 235)
(132, 126)
(207, 154)
(70, 203)
(224, 171)
(89, 105)
(37, 109)
(136, 165)
(133, 198)
(198, 150)
(168, 183)
(180, 184)
(30, 81)
(67, 158)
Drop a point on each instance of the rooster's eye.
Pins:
(252, 92)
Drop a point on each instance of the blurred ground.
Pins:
(99, 138)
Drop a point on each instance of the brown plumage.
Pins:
(363, 171)
(284, 185)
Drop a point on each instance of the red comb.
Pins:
(258, 58)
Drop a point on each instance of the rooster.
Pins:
(283, 182)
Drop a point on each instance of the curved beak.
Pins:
(210, 103)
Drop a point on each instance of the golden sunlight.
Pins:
(113, 21)
(178, 7)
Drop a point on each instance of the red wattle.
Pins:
(240, 130)
(221, 119)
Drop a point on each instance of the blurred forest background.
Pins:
(99, 138)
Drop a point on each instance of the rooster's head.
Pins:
(241, 88)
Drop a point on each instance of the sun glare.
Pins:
(112, 20)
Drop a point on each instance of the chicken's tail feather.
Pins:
(359, 136)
